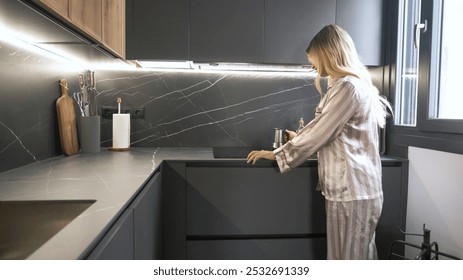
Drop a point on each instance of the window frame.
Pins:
(428, 88)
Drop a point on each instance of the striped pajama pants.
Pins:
(351, 228)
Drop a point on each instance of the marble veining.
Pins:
(17, 139)
(182, 109)
(204, 110)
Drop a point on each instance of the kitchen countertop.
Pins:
(111, 178)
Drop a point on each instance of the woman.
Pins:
(344, 132)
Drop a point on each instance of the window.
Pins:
(428, 91)
(450, 93)
(407, 63)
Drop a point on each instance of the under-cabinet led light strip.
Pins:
(48, 50)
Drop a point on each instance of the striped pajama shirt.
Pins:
(344, 135)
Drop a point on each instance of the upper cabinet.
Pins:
(157, 29)
(290, 25)
(226, 31)
(61, 7)
(363, 20)
(87, 16)
(113, 20)
(103, 21)
(252, 31)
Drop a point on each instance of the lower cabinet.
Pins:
(273, 212)
(137, 233)
(116, 244)
(258, 249)
(147, 221)
(231, 210)
(393, 216)
(225, 201)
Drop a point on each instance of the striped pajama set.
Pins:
(344, 133)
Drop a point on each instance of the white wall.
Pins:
(435, 198)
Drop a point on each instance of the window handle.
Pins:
(418, 27)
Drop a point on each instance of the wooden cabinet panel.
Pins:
(258, 249)
(87, 14)
(290, 25)
(226, 31)
(114, 26)
(61, 7)
(252, 201)
(103, 21)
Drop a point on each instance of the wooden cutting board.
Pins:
(67, 123)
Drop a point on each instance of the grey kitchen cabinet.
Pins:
(226, 209)
(148, 221)
(239, 201)
(137, 233)
(393, 216)
(259, 213)
(290, 25)
(247, 31)
(229, 210)
(173, 210)
(157, 29)
(226, 31)
(117, 244)
(363, 20)
(258, 249)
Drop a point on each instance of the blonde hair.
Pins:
(337, 56)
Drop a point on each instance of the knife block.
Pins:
(90, 134)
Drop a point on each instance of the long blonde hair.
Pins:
(337, 56)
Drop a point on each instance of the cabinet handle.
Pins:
(418, 27)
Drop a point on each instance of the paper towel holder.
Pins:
(119, 149)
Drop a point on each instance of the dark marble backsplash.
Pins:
(207, 110)
(181, 109)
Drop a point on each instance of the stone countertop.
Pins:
(111, 178)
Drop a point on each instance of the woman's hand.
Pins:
(255, 155)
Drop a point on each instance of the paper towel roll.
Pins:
(121, 131)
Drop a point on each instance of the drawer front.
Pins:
(248, 200)
(258, 249)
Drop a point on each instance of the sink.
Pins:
(234, 152)
(27, 224)
(241, 152)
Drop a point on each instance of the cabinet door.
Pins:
(252, 201)
(363, 20)
(113, 35)
(61, 7)
(158, 30)
(147, 221)
(290, 25)
(394, 210)
(258, 249)
(86, 14)
(117, 244)
(226, 31)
